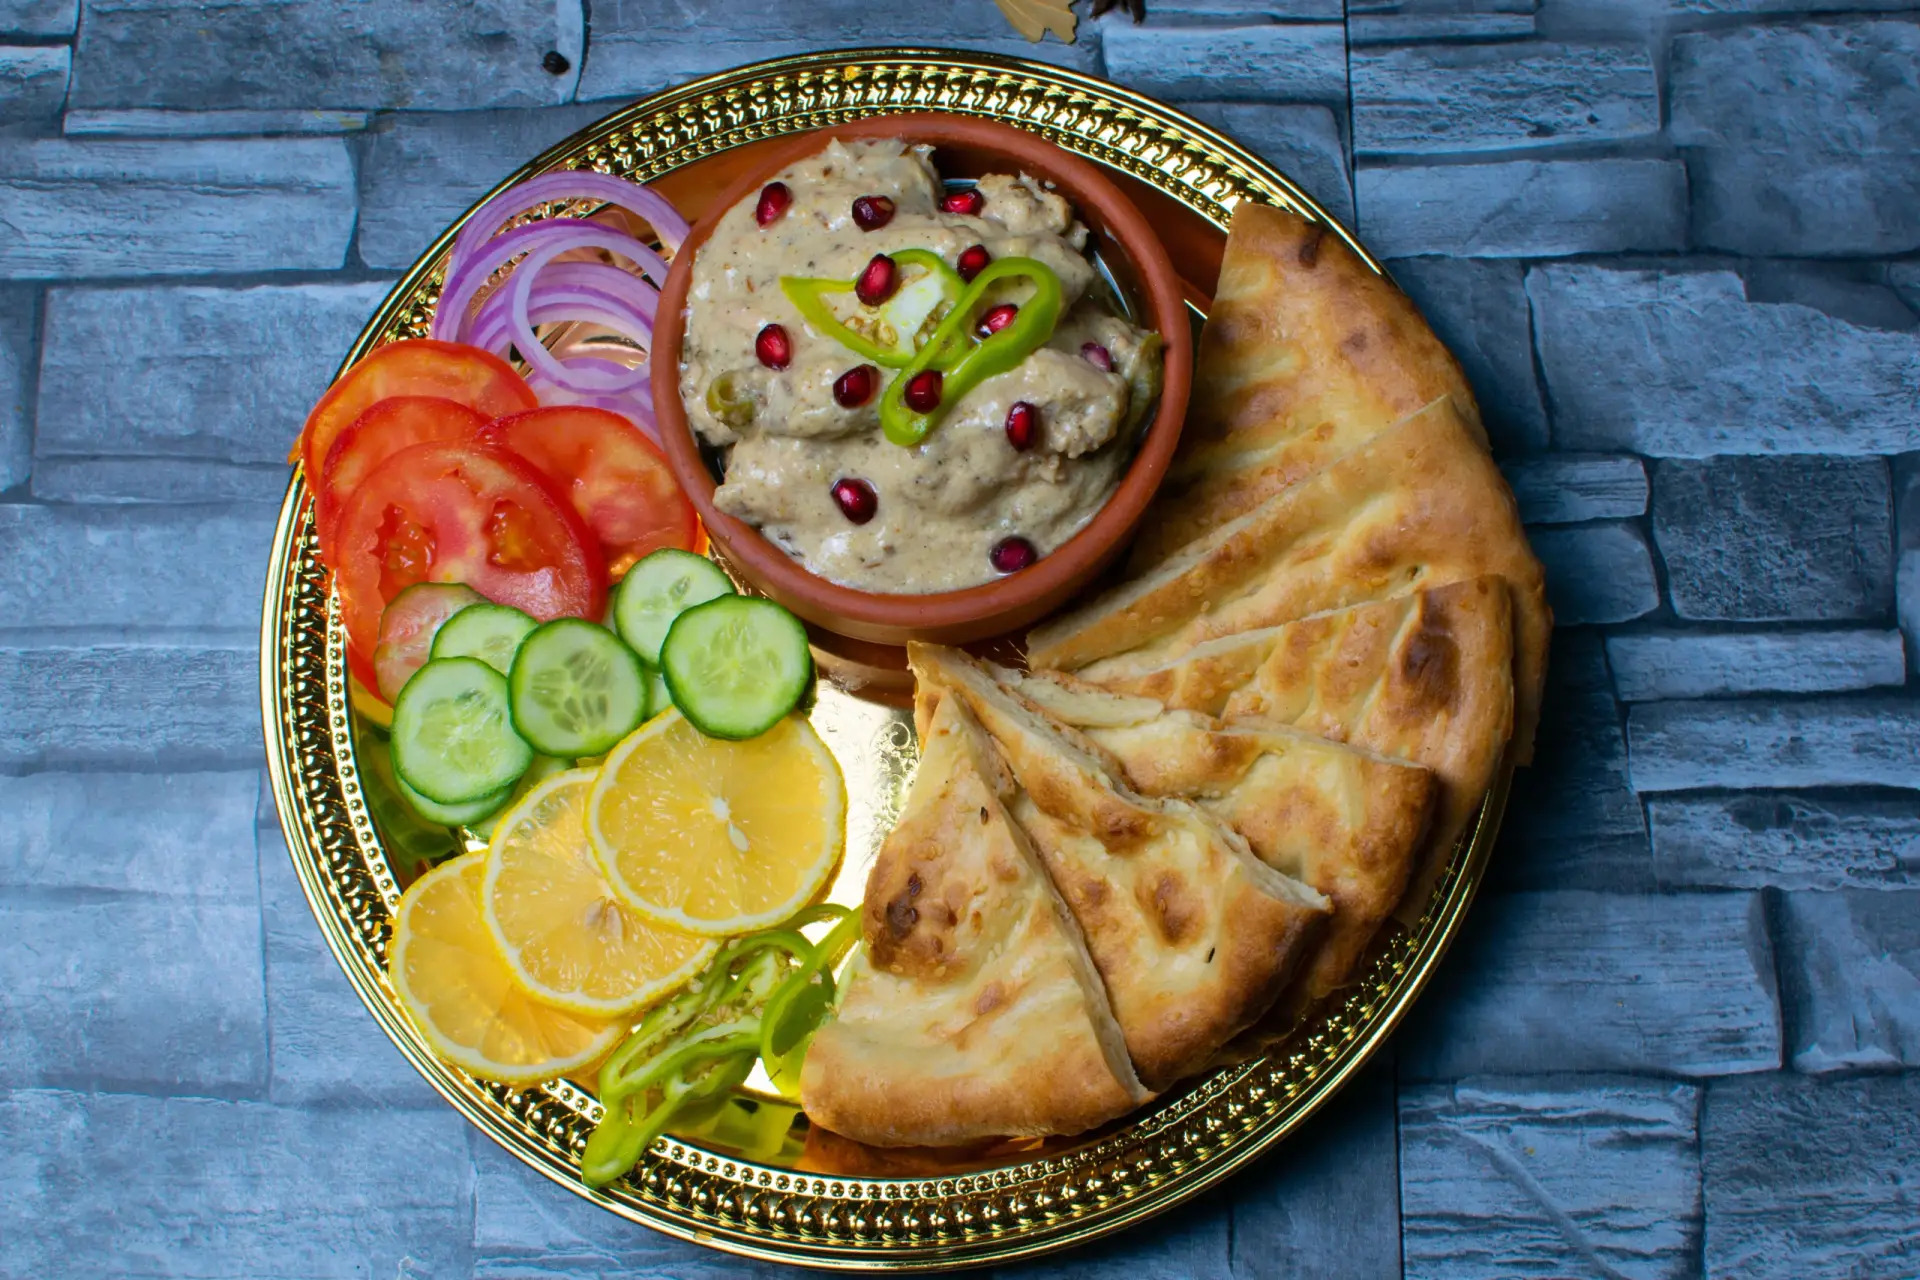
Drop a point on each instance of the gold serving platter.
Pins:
(757, 1181)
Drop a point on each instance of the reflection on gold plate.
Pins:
(756, 1179)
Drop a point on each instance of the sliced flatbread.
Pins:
(1193, 935)
(1422, 677)
(974, 1010)
(1347, 821)
(1419, 506)
(1307, 353)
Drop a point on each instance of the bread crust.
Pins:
(1418, 506)
(1193, 936)
(1307, 353)
(973, 1011)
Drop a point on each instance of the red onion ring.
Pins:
(571, 184)
(519, 288)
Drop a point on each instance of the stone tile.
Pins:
(1805, 138)
(1550, 1177)
(1810, 1177)
(1193, 1241)
(1775, 539)
(145, 122)
(1907, 600)
(1857, 293)
(1567, 488)
(1572, 821)
(1302, 142)
(170, 834)
(1704, 664)
(92, 209)
(1584, 982)
(1223, 12)
(181, 394)
(1275, 62)
(1787, 841)
(1523, 208)
(1421, 99)
(121, 1187)
(1597, 573)
(1685, 365)
(133, 568)
(33, 85)
(1819, 742)
(326, 1047)
(19, 335)
(1906, 583)
(527, 1228)
(1479, 309)
(640, 46)
(157, 480)
(1403, 28)
(324, 54)
(1850, 979)
(422, 170)
(190, 703)
(1904, 278)
(132, 912)
(54, 18)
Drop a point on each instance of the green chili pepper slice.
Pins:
(809, 296)
(994, 355)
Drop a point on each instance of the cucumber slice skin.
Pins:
(453, 735)
(659, 589)
(592, 717)
(720, 703)
(492, 633)
(455, 815)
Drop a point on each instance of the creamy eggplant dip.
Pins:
(912, 390)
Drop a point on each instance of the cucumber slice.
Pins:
(489, 632)
(736, 665)
(577, 689)
(658, 590)
(453, 736)
(659, 697)
(455, 815)
(542, 768)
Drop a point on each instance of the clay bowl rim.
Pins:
(1019, 598)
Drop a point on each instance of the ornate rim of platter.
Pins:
(1158, 1157)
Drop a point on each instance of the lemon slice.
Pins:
(559, 927)
(715, 836)
(459, 992)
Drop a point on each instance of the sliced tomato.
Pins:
(387, 427)
(465, 513)
(412, 367)
(616, 478)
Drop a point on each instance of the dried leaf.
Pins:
(1034, 18)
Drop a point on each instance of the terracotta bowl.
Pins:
(963, 148)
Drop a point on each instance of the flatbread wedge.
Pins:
(1423, 677)
(1193, 935)
(1419, 506)
(973, 1010)
(1346, 821)
(1307, 353)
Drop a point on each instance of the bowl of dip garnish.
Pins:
(920, 376)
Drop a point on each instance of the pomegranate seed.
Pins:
(973, 261)
(923, 391)
(969, 201)
(878, 279)
(1097, 356)
(855, 387)
(1023, 424)
(997, 318)
(773, 346)
(855, 498)
(774, 199)
(870, 213)
(1010, 555)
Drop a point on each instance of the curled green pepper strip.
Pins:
(809, 296)
(671, 1064)
(997, 354)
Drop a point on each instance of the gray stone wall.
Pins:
(1676, 244)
